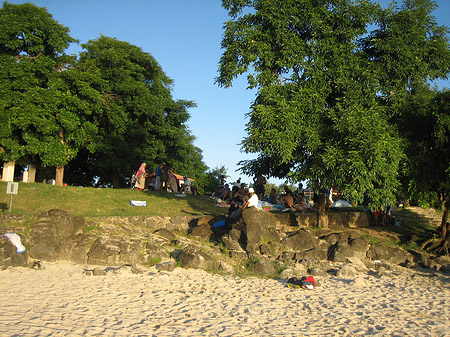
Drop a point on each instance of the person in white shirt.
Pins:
(252, 200)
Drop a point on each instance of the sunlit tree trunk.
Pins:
(8, 171)
(59, 176)
(322, 216)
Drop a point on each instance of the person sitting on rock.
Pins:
(287, 200)
(300, 204)
(252, 201)
(226, 193)
(273, 197)
(242, 193)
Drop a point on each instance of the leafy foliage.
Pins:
(102, 114)
(41, 120)
(325, 110)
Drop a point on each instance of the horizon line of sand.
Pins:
(61, 300)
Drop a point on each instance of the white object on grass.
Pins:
(138, 203)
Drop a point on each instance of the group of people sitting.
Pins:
(164, 179)
(241, 197)
(292, 200)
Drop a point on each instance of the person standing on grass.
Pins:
(158, 174)
(164, 175)
(173, 183)
(141, 174)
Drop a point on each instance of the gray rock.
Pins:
(204, 232)
(264, 266)
(312, 255)
(224, 267)
(268, 249)
(256, 227)
(316, 271)
(235, 234)
(238, 254)
(360, 246)
(357, 264)
(79, 252)
(115, 251)
(288, 273)
(395, 255)
(165, 233)
(347, 270)
(99, 272)
(340, 251)
(166, 266)
(302, 240)
(206, 220)
(53, 234)
(154, 250)
(359, 282)
(193, 257)
(231, 244)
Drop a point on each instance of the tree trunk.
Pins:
(59, 176)
(116, 181)
(441, 245)
(31, 173)
(443, 228)
(322, 216)
(8, 170)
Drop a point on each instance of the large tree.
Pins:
(139, 120)
(426, 131)
(42, 122)
(320, 113)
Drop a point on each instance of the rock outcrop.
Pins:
(258, 239)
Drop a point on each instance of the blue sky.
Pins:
(184, 37)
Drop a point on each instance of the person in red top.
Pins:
(141, 174)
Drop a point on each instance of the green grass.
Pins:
(99, 202)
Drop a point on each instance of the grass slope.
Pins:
(98, 202)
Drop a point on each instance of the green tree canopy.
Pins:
(320, 113)
(103, 113)
(425, 127)
(42, 120)
(139, 120)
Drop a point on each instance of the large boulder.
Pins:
(301, 240)
(193, 257)
(203, 231)
(80, 250)
(264, 266)
(346, 246)
(391, 254)
(115, 252)
(313, 254)
(53, 235)
(256, 227)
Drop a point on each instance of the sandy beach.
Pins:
(61, 300)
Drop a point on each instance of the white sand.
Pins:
(59, 300)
